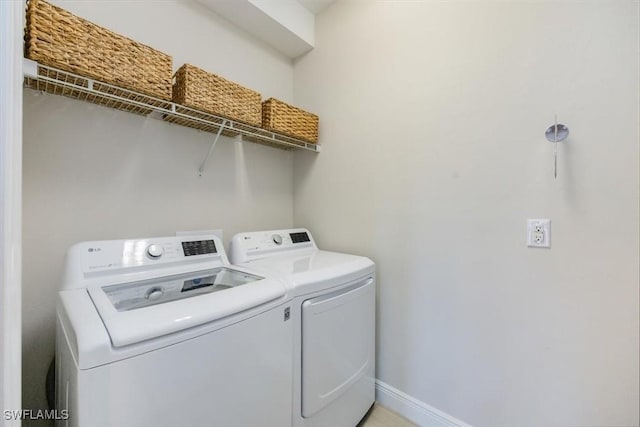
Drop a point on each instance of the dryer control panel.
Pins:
(260, 244)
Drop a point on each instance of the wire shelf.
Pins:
(51, 80)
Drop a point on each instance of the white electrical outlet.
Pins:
(539, 233)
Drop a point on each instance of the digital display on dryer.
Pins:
(299, 237)
(199, 247)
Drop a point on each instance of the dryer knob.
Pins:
(155, 251)
(277, 239)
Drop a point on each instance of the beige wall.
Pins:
(432, 123)
(95, 173)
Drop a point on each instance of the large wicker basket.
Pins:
(283, 118)
(59, 39)
(213, 94)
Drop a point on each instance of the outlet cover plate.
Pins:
(539, 233)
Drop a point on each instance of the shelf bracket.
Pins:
(30, 68)
(213, 144)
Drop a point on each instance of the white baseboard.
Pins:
(414, 410)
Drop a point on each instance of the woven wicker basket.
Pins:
(283, 118)
(208, 92)
(59, 39)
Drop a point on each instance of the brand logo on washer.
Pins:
(287, 314)
(94, 250)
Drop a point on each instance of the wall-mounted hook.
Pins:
(556, 133)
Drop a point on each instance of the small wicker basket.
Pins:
(278, 116)
(213, 94)
(59, 39)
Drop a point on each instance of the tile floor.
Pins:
(379, 416)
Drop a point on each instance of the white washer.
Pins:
(162, 332)
(333, 313)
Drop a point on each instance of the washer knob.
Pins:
(155, 251)
(277, 239)
(154, 293)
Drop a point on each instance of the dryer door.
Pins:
(338, 331)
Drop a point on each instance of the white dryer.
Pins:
(163, 332)
(333, 313)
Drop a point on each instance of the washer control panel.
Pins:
(111, 255)
(199, 247)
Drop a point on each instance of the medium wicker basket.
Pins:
(286, 119)
(213, 94)
(59, 39)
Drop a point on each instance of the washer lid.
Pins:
(138, 311)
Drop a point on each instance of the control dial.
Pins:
(154, 293)
(277, 239)
(155, 251)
